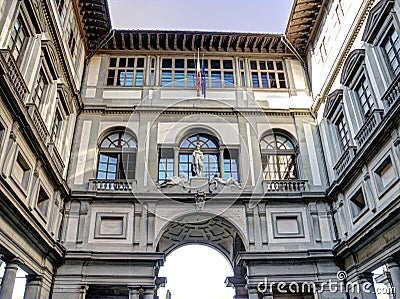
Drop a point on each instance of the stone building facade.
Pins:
(299, 133)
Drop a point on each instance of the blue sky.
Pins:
(265, 16)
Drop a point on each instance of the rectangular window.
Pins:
(392, 50)
(116, 166)
(55, 130)
(178, 72)
(40, 89)
(21, 172)
(17, 39)
(267, 74)
(231, 164)
(343, 132)
(126, 71)
(279, 167)
(165, 165)
(365, 97)
(357, 203)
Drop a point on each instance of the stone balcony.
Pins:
(369, 127)
(345, 160)
(38, 122)
(285, 186)
(107, 185)
(14, 76)
(392, 95)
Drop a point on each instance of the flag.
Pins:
(198, 74)
(203, 78)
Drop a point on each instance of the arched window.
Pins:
(278, 155)
(208, 146)
(117, 157)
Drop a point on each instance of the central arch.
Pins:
(205, 229)
(214, 231)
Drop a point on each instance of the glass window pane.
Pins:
(167, 63)
(254, 78)
(140, 62)
(215, 64)
(166, 78)
(228, 78)
(122, 62)
(139, 78)
(113, 62)
(131, 62)
(228, 64)
(179, 63)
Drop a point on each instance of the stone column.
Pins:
(176, 161)
(221, 161)
(394, 270)
(133, 293)
(11, 151)
(33, 285)
(7, 284)
(253, 293)
(365, 287)
(148, 294)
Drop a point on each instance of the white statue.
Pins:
(197, 163)
(225, 182)
(174, 181)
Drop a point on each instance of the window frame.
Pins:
(342, 117)
(387, 36)
(382, 190)
(275, 153)
(259, 71)
(134, 69)
(119, 152)
(361, 212)
(208, 152)
(48, 204)
(361, 81)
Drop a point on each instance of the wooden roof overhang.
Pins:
(157, 40)
(303, 21)
(95, 20)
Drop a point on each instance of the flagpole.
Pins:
(198, 75)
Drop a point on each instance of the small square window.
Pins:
(43, 202)
(357, 203)
(385, 175)
(21, 172)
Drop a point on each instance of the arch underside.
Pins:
(201, 229)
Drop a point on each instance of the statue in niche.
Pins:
(180, 180)
(197, 163)
(230, 182)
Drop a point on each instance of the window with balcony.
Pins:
(117, 157)
(364, 96)
(126, 71)
(343, 131)
(18, 37)
(391, 46)
(40, 89)
(278, 154)
(56, 128)
(267, 74)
